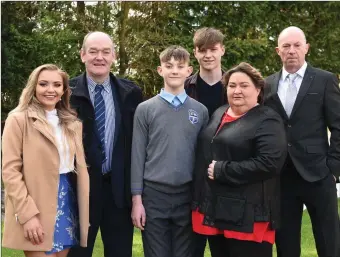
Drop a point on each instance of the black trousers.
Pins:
(320, 198)
(199, 244)
(168, 229)
(115, 226)
(226, 247)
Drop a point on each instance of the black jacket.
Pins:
(250, 153)
(317, 107)
(126, 98)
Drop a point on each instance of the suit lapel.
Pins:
(276, 98)
(306, 82)
(275, 83)
(122, 90)
(117, 104)
(81, 89)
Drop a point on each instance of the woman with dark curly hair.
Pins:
(239, 157)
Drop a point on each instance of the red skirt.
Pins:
(261, 231)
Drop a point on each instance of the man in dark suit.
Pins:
(308, 100)
(106, 105)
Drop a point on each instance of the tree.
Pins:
(17, 46)
(40, 32)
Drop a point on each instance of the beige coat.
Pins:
(30, 174)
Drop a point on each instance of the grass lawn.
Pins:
(308, 246)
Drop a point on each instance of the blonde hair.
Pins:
(67, 116)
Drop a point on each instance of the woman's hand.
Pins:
(33, 231)
(211, 170)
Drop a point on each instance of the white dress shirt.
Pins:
(63, 147)
(283, 83)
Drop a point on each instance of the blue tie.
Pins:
(99, 108)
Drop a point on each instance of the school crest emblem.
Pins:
(193, 116)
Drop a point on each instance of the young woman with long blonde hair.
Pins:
(44, 170)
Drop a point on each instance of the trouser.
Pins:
(226, 247)
(168, 229)
(115, 225)
(199, 244)
(320, 199)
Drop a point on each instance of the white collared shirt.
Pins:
(63, 148)
(283, 83)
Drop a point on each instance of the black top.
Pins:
(210, 96)
(250, 153)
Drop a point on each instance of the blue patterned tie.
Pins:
(99, 108)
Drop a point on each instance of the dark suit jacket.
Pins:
(317, 107)
(126, 98)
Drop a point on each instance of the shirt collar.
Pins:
(52, 112)
(170, 97)
(300, 72)
(92, 84)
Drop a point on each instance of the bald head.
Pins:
(292, 30)
(97, 35)
(292, 48)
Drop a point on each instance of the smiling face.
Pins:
(49, 89)
(98, 56)
(209, 58)
(292, 49)
(174, 73)
(242, 92)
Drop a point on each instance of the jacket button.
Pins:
(289, 126)
(289, 144)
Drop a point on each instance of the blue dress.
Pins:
(66, 229)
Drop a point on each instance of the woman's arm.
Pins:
(12, 163)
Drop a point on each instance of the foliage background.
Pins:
(34, 33)
(38, 32)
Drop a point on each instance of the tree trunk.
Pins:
(123, 18)
(81, 16)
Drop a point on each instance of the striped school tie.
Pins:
(99, 109)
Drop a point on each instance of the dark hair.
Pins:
(252, 73)
(177, 52)
(207, 37)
